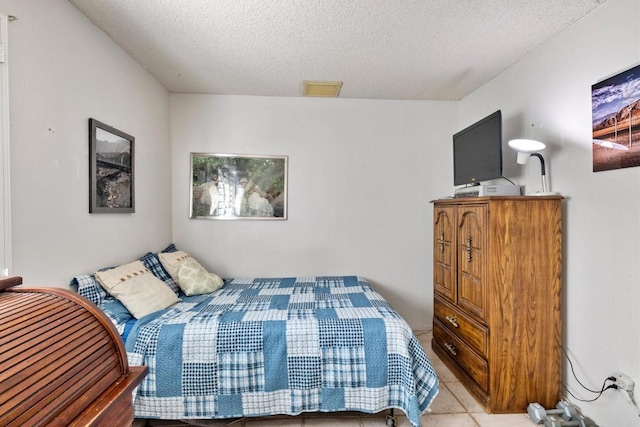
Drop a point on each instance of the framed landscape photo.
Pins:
(111, 169)
(235, 186)
(615, 113)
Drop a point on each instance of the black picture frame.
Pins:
(111, 169)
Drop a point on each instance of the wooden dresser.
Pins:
(497, 297)
(62, 362)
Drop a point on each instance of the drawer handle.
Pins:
(451, 348)
(453, 320)
(468, 248)
(441, 241)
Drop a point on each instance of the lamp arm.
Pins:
(543, 171)
(542, 168)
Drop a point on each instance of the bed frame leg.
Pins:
(391, 419)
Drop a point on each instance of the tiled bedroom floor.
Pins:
(453, 407)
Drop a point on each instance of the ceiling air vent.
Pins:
(319, 88)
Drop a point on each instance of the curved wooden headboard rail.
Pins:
(8, 282)
(62, 362)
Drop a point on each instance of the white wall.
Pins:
(548, 96)
(62, 71)
(361, 175)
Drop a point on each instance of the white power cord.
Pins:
(631, 400)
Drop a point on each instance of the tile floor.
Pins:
(453, 407)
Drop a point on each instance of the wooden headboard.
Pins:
(62, 362)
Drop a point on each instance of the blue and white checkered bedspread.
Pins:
(280, 346)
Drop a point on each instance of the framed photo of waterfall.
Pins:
(238, 186)
(111, 169)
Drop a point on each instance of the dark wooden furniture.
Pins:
(497, 297)
(62, 362)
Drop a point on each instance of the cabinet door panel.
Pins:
(444, 255)
(472, 255)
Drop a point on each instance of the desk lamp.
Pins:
(527, 148)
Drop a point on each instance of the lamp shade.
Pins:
(526, 145)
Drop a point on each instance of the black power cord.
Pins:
(599, 392)
(595, 398)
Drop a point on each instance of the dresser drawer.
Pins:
(470, 331)
(463, 355)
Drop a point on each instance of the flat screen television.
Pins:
(477, 151)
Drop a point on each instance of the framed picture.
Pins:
(111, 169)
(233, 186)
(615, 110)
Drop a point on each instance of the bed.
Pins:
(267, 346)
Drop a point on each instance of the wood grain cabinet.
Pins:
(497, 297)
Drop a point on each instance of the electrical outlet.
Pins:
(623, 382)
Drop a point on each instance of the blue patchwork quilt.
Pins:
(280, 346)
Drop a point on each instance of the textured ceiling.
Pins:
(380, 49)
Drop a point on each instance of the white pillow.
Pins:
(137, 288)
(192, 278)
